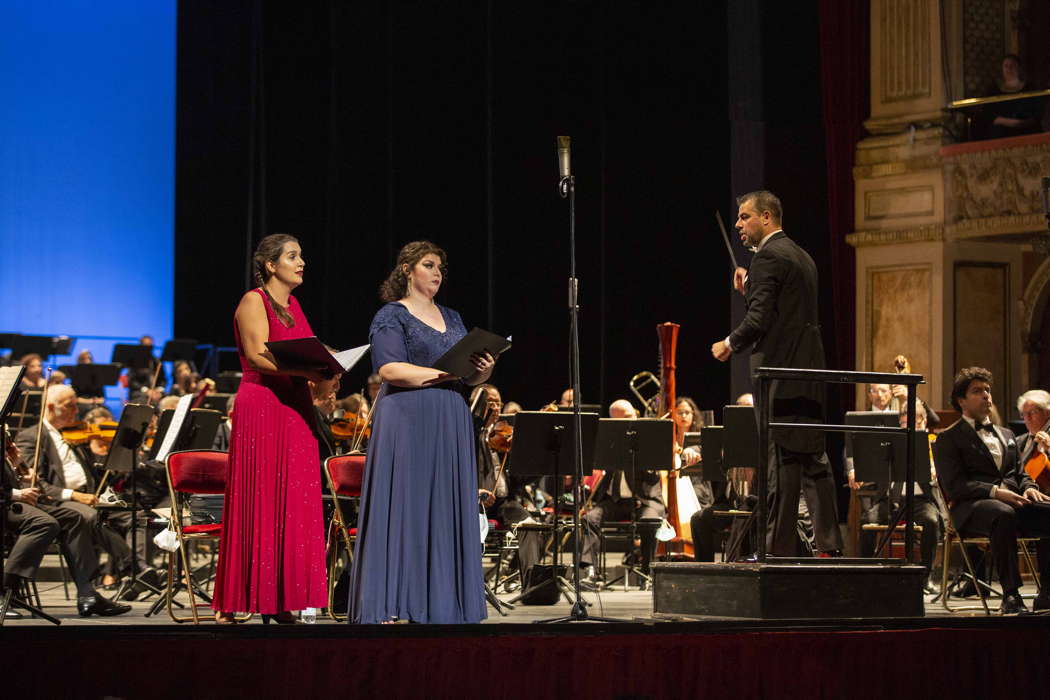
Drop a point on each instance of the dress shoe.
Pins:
(89, 605)
(1012, 604)
(1041, 602)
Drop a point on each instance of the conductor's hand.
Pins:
(1036, 496)
(721, 351)
(739, 275)
(87, 499)
(1010, 498)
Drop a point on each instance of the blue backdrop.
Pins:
(87, 148)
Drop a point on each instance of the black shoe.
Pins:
(1041, 602)
(966, 589)
(97, 605)
(1012, 604)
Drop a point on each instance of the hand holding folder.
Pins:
(311, 353)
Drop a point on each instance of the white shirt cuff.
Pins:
(728, 344)
(67, 494)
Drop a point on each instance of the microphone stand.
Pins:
(578, 613)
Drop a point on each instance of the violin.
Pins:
(501, 436)
(81, 433)
(350, 426)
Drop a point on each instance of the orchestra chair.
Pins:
(192, 472)
(953, 538)
(344, 474)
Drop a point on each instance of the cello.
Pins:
(680, 546)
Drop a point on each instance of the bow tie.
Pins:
(984, 426)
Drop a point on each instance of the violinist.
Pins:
(1034, 407)
(141, 380)
(185, 379)
(323, 392)
(37, 524)
(222, 435)
(503, 497)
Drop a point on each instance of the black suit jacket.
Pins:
(51, 476)
(967, 471)
(783, 330)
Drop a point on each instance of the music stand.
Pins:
(544, 443)
(740, 438)
(132, 356)
(123, 458)
(90, 380)
(712, 444)
(623, 442)
(43, 345)
(179, 349)
(10, 379)
(584, 408)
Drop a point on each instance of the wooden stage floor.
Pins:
(631, 606)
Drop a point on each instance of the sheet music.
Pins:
(9, 379)
(181, 411)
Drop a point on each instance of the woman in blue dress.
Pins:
(418, 553)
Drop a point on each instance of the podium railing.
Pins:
(763, 405)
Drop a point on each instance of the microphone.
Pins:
(564, 165)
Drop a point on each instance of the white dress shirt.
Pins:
(72, 469)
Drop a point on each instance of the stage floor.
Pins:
(630, 606)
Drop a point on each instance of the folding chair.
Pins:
(345, 474)
(192, 472)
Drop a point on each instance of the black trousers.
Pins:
(530, 544)
(1001, 524)
(707, 528)
(791, 473)
(608, 509)
(116, 538)
(39, 526)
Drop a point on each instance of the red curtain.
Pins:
(844, 59)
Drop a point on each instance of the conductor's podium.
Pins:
(781, 589)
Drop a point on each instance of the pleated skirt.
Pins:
(272, 555)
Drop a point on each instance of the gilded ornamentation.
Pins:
(995, 183)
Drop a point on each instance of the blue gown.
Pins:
(418, 553)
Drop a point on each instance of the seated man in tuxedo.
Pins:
(37, 525)
(990, 494)
(616, 496)
(1034, 407)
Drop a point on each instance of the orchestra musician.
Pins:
(272, 557)
(418, 553)
(782, 329)
(989, 492)
(924, 509)
(503, 497)
(38, 522)
(1034, 407)
(33, 379)
(616, 496)
(141, 380)
(323, 393)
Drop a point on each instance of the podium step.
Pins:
(783, 589)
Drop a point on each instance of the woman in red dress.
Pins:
(272, 555)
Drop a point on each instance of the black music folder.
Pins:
(456, 360)
(311, 353)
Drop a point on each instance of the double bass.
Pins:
(681, 545)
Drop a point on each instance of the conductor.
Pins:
(782, 329)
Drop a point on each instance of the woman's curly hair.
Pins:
(396, 284)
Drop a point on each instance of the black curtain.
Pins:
(361, 126)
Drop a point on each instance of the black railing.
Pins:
(764, 400)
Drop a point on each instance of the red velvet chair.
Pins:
(345, 474)
(192, 472)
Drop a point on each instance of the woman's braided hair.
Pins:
(269, 250)
(396, 284)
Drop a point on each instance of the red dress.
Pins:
(272, 556)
